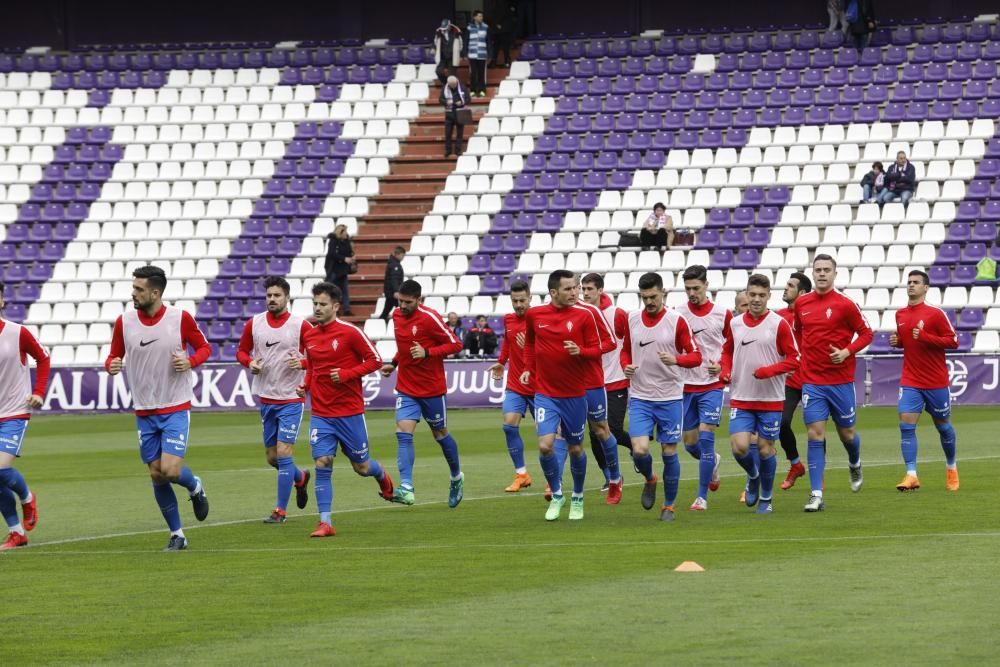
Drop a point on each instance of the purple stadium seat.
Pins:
(963, 276)
(504, 263)
(722, 259)
(991, 211)
(959, 232)
(971, 319)
(757, 238)
(753, 196)
(948, 253)
(479, 264)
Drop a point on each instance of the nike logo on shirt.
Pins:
(271, 344)
(144, 343)
(695, 333)
(645, 344)
(747, 342)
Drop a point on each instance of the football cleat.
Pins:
(951, 483)
(199, 501)
(277, 516)
(794, 472)
(403, 496)
(555, 506)
(386, 488)
(323, 530)
(30, 511)
(764, 507)
(302, 491)
(649, 493)
(176, 543)
(667, 513)
(714, 484)
(857, 479)
(605, 487)
(455, 489)
(13, 541)
(522, 480)
(699, 505)
(575, 509)
(614, 493)
(815, 503)
(909, 483)
(752, 491)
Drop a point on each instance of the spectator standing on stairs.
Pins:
(340, 264)
(477, 44)
(448, 47)
(454, 98)
(860, 16)
(503, 37)
(394, 277)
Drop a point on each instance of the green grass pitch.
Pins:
(879, 577)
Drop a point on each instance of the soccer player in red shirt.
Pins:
(518, 399)
(422, 343)
(563, 336)
(338, 355)
(758, 351)
(797, 285)
(153, 339)
(832, 330)
(17, 398)
(924, 333)
(271, 347)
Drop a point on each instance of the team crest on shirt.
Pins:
(569, 326)
(920, 324)
(413, 330)
(335, 344)
(829, 312)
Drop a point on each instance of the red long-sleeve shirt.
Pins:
(606, 341)
(191, 336)
(343, 346)
(554, 371)
(786, 347)
(824, 322)
(245, 350)
(683, 340)
(422, 378)
(924, 366)
(795, 379)
(513, 354)
(28, 346)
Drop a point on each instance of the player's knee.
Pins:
(360, 467)
(283, 449)
(439, 433)
(324, 462)
(271, 454)
(943, 427)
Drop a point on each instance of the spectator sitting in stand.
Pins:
(455, 324)
(900, 179)
(480, 340)
(873, 183)
(658, 230)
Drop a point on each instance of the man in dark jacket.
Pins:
(900, 180)
(480, 340)
(503, 38)
(394, 277)
(861, 22)
(340, 264)
(453, 98)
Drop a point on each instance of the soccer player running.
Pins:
(518, 399)
(17, 398)
(758, 351)
(562, 335)
(924, 333)
(825, 322)
(703, 391)
(607, 400)
(658, 346)
(153, 339)
(422, 343)
(271, 347)
(338, 355)
(797, 285)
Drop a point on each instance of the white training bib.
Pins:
(612, 360)
(149, 352)
(15, 379)
(653, 380)
(276, 381)
(754, 347)
(707, 332)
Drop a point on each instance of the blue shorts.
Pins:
(12, 435)
(821, 401)
(518, 403)
(280, 422)
(351, 433)
(703, 407)
(936, 401)
(764, 423)
(433, 410)
(163, 434)
(597, 404)
(570, 413)
(665, 416)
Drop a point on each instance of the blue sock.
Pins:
(562, 451)
(187, 480)
(755, 453)
(165, 498)
(578, 468)
(706, 444)
(607, 475)
(908, 445)
(645, 465)
(768, 467)
(749, 463)
(324, 493)
(610, 447)
(817, 464)
(285, 481)
(550, 468)
(694, 450)
(14, 480)
(947, 441)
(450, 450)
(515, 445)
(298, 475)
(8, 507)
(671, 478)
(404, 459)
(853, 450)
(375, 470)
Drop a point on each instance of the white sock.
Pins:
(455, 479)
(19, 529)
(30, 497)
(179, 532)
(520, 471)
(197, 489)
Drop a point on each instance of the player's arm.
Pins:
(727, 327)
(192, 335)
(895, 339)
(621, 323)
(446, 342)
(31, 347)
(726, 361)
(303, 330)
(605, 334)
(947, 339)
(245, 350)
(860, 325)
(113, 364)
(785, 342)
(306, 385)
(690, 356)
(370, 359)
(529, 346)
(626, 356)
